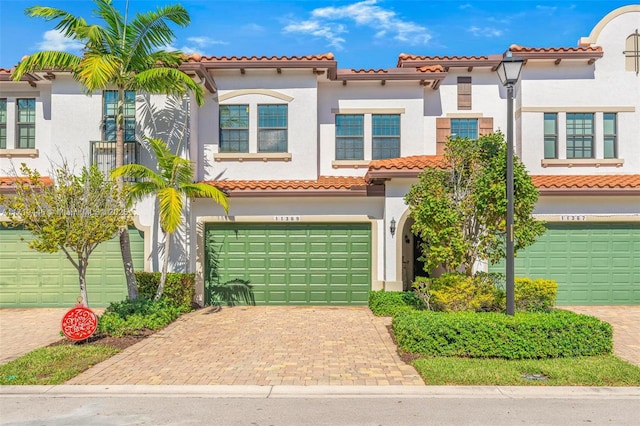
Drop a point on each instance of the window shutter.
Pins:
(443, 131)
(464, 93)
(485, 125)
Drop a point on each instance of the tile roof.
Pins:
(408, 163)
(518, 48)
(323, 183)
(406, 56)
(432, 68)
(8, 183)
(196, 57)
(586, 182)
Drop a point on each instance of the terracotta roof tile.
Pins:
(369, 71)
(416, 162)
(586, 181)
(322, 183)
(196, 57)
(518, 48)
(432, 68)
(406, 56)
(9, 182)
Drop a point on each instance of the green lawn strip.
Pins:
(580, 371)
(53, 365)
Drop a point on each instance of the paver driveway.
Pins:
(23, 330)
(260, 345)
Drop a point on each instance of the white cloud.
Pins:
(465, 6)
(327, 31)
(253, 27)
(196, 44)
(324, 22)
(55, 40)
(548, 9)
(488, 32)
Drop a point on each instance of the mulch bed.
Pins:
(103, 340)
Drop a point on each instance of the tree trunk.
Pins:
(82, 271)
(165, 265)
(125, 244)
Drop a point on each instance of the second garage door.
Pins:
(593, 263)
(294, 263)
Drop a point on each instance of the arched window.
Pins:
(632, 53)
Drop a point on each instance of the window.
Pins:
(26, 123)
(632, 53)
(234, 128)
(386, 136)
(349, 137)
(550, 135)
(272, 128)
(3, 123)
(460, 127)
(464, 128)
(579, 135)
(610, 135)
(110, 113)
(464, 92)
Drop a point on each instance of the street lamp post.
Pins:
(509, 73)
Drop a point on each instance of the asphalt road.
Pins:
(173, 405)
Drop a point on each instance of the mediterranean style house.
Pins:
(316, 161)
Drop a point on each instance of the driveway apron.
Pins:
(23, 330)
(260, 345)
(626, 327)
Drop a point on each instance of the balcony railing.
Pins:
(103, 154)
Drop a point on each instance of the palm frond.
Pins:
(114, 20)
(170, 201)
(136, 191)
(163, 155)
(204, 190)
(169, 81)
(138, 171)
(48, 60)
(182, 172)
(68, 24)
(232, 292)
(97, 71)
(151, 30)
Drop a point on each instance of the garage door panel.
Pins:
(309, 263)
(593, 263)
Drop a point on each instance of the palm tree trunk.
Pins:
(125, 243)
(165, 265)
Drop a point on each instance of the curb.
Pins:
(282, 391)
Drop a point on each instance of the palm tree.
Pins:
(170, 184)
(122, 55)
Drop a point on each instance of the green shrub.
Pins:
(494, 335)
(387, 303)
(535, 295)
(178, 290)
(457, 292)
(130, 317)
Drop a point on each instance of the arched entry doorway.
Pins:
(412, 266)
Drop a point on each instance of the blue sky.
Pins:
(361, 34)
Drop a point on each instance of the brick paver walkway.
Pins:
(23, 330)
(626, 327)
(261, 345)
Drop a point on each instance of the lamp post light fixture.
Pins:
(509, 73)
(392, 227)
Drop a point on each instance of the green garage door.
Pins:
(593, 263)
(297, 264)
(32, 279)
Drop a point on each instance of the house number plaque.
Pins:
(286, 218)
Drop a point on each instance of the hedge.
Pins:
(387, 303)
(493, 335)
(178, 290)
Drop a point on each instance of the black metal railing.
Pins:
(103, 154)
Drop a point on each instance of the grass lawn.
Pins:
(581, 371)
(53, 365)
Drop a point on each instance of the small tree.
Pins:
(73, 215)
(460, 211)
(170, 184)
